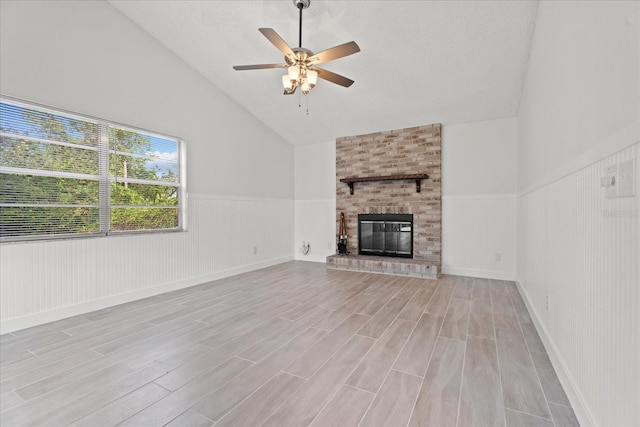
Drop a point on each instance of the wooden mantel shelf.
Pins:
(417, 177)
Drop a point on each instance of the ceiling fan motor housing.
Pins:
(302, 55)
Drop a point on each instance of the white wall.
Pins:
(581, 88)
(478, 199)
(88, 57)
(315, 200)
(480, 158)
(579, 114)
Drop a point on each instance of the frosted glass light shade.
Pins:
(286, 82)
(312, 77)
(294, 73)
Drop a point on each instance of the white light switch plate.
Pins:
(626, 179)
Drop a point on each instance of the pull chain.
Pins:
(307, 96)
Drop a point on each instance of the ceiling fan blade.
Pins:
(335, 53)
(258, 66)
(333, 77)
(291, 92)
(277, 41)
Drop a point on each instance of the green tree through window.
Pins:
(62, 174)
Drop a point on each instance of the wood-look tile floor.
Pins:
(290, 345)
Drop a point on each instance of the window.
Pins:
(67, 175)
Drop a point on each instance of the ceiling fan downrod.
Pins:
(301, 4)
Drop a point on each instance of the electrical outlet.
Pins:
(255, 250)
(626, 179)
(609, 182)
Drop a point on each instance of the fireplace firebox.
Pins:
(385, 235)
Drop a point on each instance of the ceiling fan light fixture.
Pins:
(312, 77)
(287, 83)
(301, 63)
(294, 73)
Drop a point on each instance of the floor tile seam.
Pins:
(14, 406)
(57, 359)
(531, 415)
(197, 377)
(167, 332)
(346, 378)
(106, 320)
(110, 364)
(358, 388)
(181, 414)
(481, 337)
(246, 360)
(76, 399)
(333, 311)
(160, 385)
(390, 323)
(407, 373)
(104, 404)
(373, 399)
(92, 333)
(464, 362)
(559, 404)
(424, 379)
(466, 329)
(533, 364)
(232, 408)
(81, 338)
(152, 403)
(495, 344)
(294, 394)
(287, 342)
(203, 396)
(41, 378)
(282, 371)
(336, 351)
(466, 334)
(429, 302)
(397, 355)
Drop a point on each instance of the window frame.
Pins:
(104, 178)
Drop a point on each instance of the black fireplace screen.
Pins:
(385, 235)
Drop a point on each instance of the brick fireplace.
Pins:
(396, 153)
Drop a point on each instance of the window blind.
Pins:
(67, 175)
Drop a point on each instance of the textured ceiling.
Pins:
(421, 62)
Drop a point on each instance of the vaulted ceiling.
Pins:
(421, 62)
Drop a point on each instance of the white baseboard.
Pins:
(483, 274)
(578, 403)
(312, 258)
(16, 324)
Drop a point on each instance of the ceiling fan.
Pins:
(302, 64)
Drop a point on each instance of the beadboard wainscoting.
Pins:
(315, 225)
(479, 235)
(578, 270)
(50, 280)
